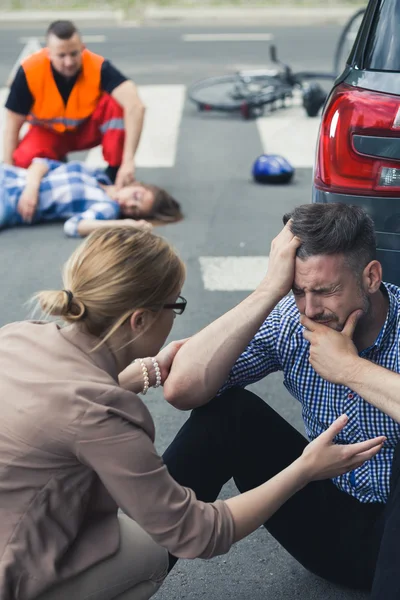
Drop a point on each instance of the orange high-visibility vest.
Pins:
(49, 109)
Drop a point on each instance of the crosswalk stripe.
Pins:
(87, 39)
(164, 108)
(227, 37)
(232, 273)
(157, 148)
(32, 45)
(290, 133)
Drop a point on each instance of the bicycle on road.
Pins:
(249, 92)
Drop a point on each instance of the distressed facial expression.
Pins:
(327, 291)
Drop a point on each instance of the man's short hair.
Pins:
(334, 228)
(64, 30)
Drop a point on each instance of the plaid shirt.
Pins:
(279, 345)
(68, 191)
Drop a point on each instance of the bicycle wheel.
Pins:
(313, 93)
(346, 41)
(237, 92)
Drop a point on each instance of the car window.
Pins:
(383, 48)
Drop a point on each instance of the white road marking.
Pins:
(227, 37)
(232, 273)
(164, 106)
(3, 98)
(290, 133)
(32, 45)
(88, 39)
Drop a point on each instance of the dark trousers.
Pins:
(333, 535)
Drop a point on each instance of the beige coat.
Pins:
(74, 447)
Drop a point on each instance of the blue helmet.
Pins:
(271, 168)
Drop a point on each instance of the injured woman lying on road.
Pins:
(81, 196)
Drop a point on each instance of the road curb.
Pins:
(47, 16)
(284, 14)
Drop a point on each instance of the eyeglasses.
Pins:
(177, 307)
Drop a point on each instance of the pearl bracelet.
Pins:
(145, 376)
(158, 372)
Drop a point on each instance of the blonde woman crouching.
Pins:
(76, 441)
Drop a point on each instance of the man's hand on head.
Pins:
(333, 354)
(281, 261)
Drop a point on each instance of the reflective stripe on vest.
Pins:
(68, 123)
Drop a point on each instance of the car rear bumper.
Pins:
(386, 215)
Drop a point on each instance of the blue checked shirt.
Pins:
(279, 345)
(69, 192)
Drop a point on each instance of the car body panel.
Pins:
(374, 64)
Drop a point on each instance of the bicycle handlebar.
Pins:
(296, 78)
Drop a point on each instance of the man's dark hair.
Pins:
(64, 30)
(334, 229)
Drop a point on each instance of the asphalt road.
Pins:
(226, 215)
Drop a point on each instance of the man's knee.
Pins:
(237, 402)
(23, 156)
(37, 144)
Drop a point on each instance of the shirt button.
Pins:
(350, 396)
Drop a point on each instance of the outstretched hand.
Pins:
(332, 353)
(323, 459)
(140, 225)
(125, 175)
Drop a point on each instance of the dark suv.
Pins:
(358, 152)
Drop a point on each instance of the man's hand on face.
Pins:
(332, 353)
(125, 175)
(281, 261)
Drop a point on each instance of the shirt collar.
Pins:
(390, 320)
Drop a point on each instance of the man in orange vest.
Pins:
(73, 100)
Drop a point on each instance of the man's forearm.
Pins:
(133, 122)
(87, 226)
(35, 174)
(203, 364)
(377, 385)
(12, 129)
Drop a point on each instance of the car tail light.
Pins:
(340, 166)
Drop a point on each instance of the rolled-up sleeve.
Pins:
(99, 211)
(260, 358)
(124, 458)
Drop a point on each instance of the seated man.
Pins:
(337, 341)
(74, 100)
(50, 191)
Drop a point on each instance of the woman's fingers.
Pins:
(360, 447)
(334, 429)
(360, 458)
(363, 456)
